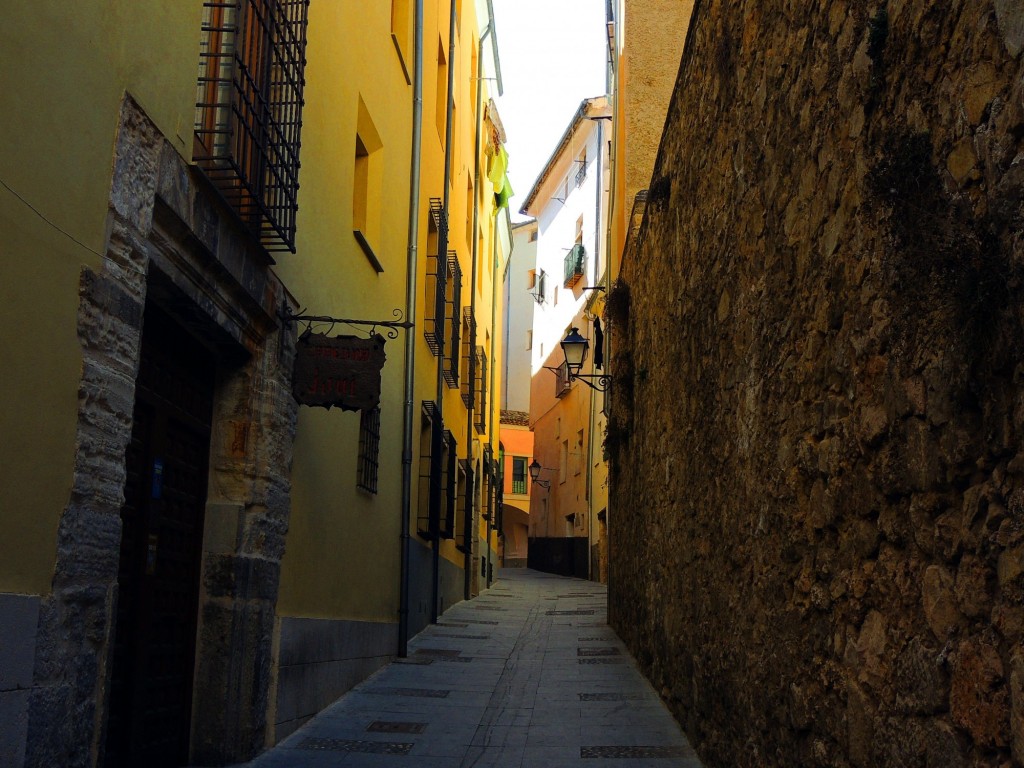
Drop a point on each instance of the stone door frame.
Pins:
(173, 242)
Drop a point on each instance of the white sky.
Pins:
(552, 57)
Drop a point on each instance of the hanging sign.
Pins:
(342, 371)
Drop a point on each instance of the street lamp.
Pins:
(535, 469)
(575, 348)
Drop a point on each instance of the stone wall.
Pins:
(817, 433)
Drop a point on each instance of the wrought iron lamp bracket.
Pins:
(604, 381)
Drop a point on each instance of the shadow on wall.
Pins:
(560, 556)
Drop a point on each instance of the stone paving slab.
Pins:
(528, 675)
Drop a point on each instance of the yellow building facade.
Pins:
(192, 194)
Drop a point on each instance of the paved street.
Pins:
(528, 675)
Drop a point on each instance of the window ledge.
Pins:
(370, 255)
(401, 58)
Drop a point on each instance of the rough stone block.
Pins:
(136, 159)
(979, 702)
(939, 603)
(174, 186)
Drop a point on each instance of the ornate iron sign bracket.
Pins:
(392, 326)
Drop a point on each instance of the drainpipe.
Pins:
(442, 248)
(410, 346)
(598, 182)
(467, 523)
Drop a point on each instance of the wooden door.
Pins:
(167, 466)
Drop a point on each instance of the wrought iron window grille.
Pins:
(450, 486)
(369, 450)
(432, 463)
(453, 299)
(488, 473)
(480, 393)
(464, 510)
(468, 343)
(249, 111)
(438, 288)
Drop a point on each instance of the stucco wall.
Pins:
(818, 549)
(62, 90)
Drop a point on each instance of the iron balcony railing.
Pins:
(581, 173)
(575, 265)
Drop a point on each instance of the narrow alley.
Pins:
(528, 675)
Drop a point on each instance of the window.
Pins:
(468, 342)
(469, 211)
(490, 483)
(529, 339)
(563, 461)
(367, 186)
(533, 236)
(531, 279)
(441, 106)
(563, 191)
(464, 507)
(249, 111)
(578, 456)
(480, 391)
(432, 464)
(452, 303)
(442, 295)
(554, 298)
(538, 287)
(519, 474)
(401, 32)
(579, 231)
(451, 486)
(581, 168)
(435, 284)
(369, 450)
(474, 65)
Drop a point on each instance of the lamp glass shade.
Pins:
(575, 348)
(534, 470)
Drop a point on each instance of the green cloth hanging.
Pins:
(496, 169)
(502, 196)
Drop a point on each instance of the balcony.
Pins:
(575, 265)
(581, 173)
